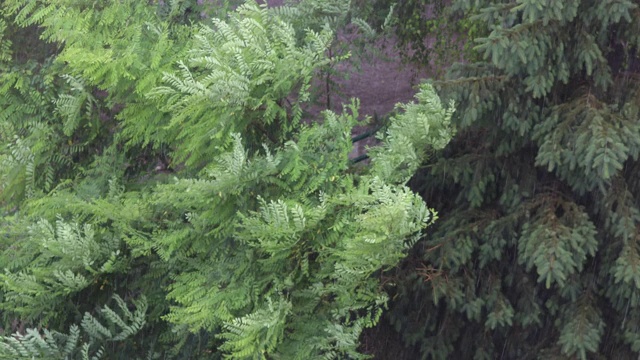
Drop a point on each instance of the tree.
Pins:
(537, 253)
(262, 241)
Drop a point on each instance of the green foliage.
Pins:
(239, 76)
(69, 258)
(82, 342)
(412, 126)
(33, 146)
(158, 155)
(312, 238)
(429, 33)
(256, 334)
(56, 117)
(537, 253)
(557, 246)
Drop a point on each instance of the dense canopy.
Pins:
(170, 190)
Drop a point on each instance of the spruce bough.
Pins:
(537, 255)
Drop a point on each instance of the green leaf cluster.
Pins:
(167, 160)
(82, 342)
(294, 232)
